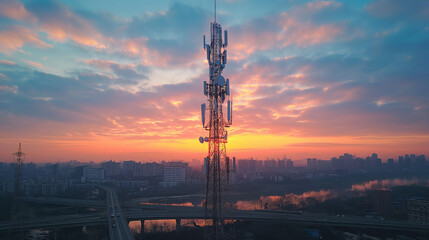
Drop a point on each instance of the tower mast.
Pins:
(217, 165)
(18, 159)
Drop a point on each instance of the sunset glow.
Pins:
(79, 81)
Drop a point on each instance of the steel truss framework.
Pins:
(18, 159)
(217, 164)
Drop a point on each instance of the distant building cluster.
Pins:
(278, 170)
(133, 169)
(373, 162)
(258, 170)
(55, 179)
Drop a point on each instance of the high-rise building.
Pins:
(175, 173)
(92, 174)
(289, 163)
(243, 165)
(152, 169)
(281, 163)
(311, 162)
(270, 164)
(129, 168)
(390, 162)
(111, 168)
(382, 202)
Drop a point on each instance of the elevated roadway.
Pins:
(151, 212)
(66, 201)
(118, 218)
(75, 220)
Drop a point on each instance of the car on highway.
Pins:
(114, 225)
(112, 215)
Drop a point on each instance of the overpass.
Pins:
(142, 212)
(66, 201)
(75, 220)
(152, 212)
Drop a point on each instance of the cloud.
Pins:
(138, 48)
(161, 39)
(35, 64)
(14, 37)
(313, 71)
(104, 111)
(61, 24)
(399, 9)
(335, 95)
(58, 21)
(170, 37)
(125, 72)
(13, 9)
(282, 30)
(6, 62)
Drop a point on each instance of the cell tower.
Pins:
(217, 165)
(18, 159)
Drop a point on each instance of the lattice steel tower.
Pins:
(18, 159)
(217, 164)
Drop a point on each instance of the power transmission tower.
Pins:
(18, 159)
(217, 165)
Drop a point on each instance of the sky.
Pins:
(100, 80)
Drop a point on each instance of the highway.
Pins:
(118, 225)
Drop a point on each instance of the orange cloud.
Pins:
(6, 62)
(105, 64)
(14, 38)
(69, 26)
(35, 64)
(75, 28)
(137, 47)
(15, 10)
(305, 33)
(284, 30)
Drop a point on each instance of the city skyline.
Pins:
(197, 164)
(92, 82)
